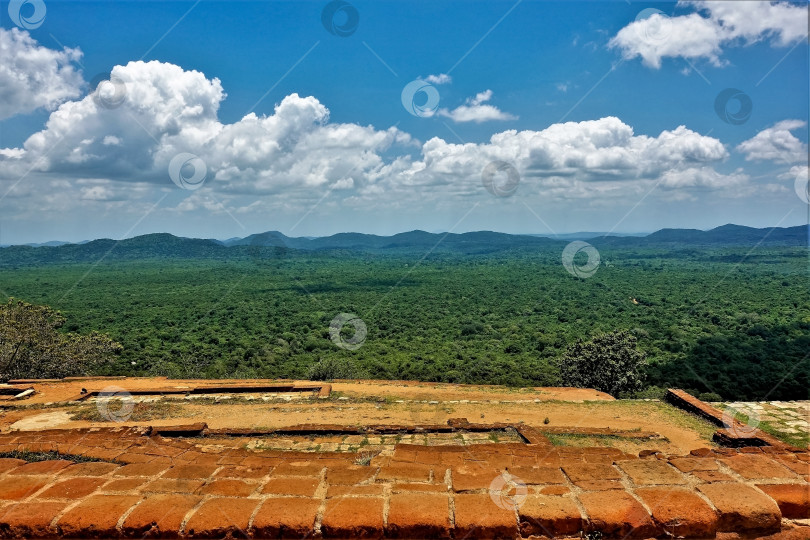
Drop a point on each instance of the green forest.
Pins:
(725, 320)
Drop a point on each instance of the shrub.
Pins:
(328, 369)
(609, 363)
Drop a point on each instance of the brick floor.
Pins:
(418, 491)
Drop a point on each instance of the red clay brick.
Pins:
(422, 515)
(645, 472)
(474, 480)
(538, 475)
(226, 487)
(757, 466)
(549, 515)
(42, 467)
(295, 468)
(376, 490)
(679, 512)
(72, 488)
(408, 472)
(353, 517)
(21, 487)
(7, 464)
(220, 517)
(598, 485)
(93, 468)
(124, 484)
(414, 486)
(617, 513)
(243, 472)
(190, 471)
(173, 485)
(159, 516)
(587, 472)
(303, 486)
(95, 516)
(712, 476)
(689, 464)
(793, 499)
(141, 469)
(353, 474)
(285, 518)
(554, 490)
(742, 508)
(30, 519)
(477, 516)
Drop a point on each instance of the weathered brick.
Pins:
(549, 515)
(141, 469)
(20, 487)
(93, 468)
(300, 486)
(125, 484)
(554, 490)
(227, 487)
(473, 478)
(617, 513)
(742, 508)
(243, 472)
(679, 511)
(72, 488)
(159, 516)
(478, 516)
(689, 464)
(752, 466)
(190, 471)
(415, 486)
(598, 485)
(173, 485)
(374, 490)
(221, 517)
(793, 499)
(29, 519)
(408, 472)
(537, 475)
(295, 468)
(42, 467)
(645, 472)
(95, 516)
(7, 464)
(353, 517)
(353, 474)
(419, 515)
(712, 476)
(285, 518)
(591, 471)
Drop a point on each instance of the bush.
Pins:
(709, 396)
(32, 347)
(609, 363)
(328, 369)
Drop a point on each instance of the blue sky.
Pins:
(583, 100)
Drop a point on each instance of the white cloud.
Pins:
(476, 110)
(776, 143)
(713, 25)
(32, 76)
(441, 78)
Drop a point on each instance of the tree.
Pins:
(609, 362)
(330, 368)
(32, 347)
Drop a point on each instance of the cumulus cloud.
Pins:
(33, 76)
(289, 159)
(776, 143)
(441, 78)
(476, 109)
(712, 26)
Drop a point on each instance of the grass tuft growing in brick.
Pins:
(32, 457)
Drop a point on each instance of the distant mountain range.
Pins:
(164, 245)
